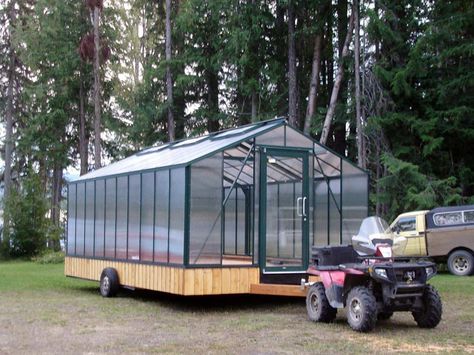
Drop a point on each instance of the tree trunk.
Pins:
(83, 137)
(55, 201)
(169, 78)
(97, 127)
(254, 103)
(337, 84)
(212, 100)
(361, 160)
(292, 81)
(314, 84)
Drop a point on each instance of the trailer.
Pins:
(233, 212)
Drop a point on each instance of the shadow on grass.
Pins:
(217, 303)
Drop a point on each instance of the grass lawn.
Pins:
(41, 311)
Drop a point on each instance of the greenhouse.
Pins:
(257, 196)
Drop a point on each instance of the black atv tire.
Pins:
(384, 315)
(361, 309)
(317, 304)
(430, 315)
(461, 263)
(109, 282)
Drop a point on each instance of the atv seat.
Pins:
(334, 255)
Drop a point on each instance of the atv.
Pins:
(370, 283)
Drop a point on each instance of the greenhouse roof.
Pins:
(184, 151)
(187, 151)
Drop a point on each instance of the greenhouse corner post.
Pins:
(187, 215)
(340, 202)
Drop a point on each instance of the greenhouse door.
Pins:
(284, 212)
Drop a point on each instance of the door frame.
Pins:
(292, 152)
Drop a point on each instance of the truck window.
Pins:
(406, 224)
(469, 217)
(447, 218)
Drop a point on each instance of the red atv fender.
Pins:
(334, 279)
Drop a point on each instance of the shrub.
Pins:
(50, 257)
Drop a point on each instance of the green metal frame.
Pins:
(293, 153)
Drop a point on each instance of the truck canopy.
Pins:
(442, 217)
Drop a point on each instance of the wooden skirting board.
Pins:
(176, 280)
(180, 281)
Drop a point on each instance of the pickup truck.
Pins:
(445, 234)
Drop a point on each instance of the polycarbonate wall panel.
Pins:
(162, 216)
(89, 232)
(147, 216)
(256, 209)
(110, 208)
(297, 139)
(334, 214)
(121, 233)
(206, 208)
(272, 247)
(289, 229)
(354, 200)
(320, 213)
(230, 223)
(176, 237)
(273, 137)
(240, 222)
(80, 218)
(71, 220)
(99, 217)
(134, 217)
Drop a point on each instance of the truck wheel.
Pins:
(430, 315)
(317, 305)
(461, 263)
(361, 309)
(384, 315)
(109, 282)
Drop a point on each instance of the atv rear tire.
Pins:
(430, 315)
(384, 315)
(461, 263)
(317, 304)
(361, 309)
(109, 282)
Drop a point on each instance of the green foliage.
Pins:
(27, 211)
(50, 257)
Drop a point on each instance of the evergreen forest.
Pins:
(388, 84)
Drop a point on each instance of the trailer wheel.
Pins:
(317, 304)
(109, 282)
(361, 309)
(461, 263)
(430, 315)
(384, 315)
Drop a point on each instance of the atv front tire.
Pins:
(430, 315)
(317, 304)
(361, 309)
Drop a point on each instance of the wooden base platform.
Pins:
(181, 281)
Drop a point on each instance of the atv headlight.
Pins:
(429, 271)
(381, 273)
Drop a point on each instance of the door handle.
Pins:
(298, 200)
(304, 206)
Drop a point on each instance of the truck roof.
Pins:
(452, 209)
(417, 213)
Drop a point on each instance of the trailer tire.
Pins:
(430, 315)
(109, 282)
(317, 304)
(361, 309)
(461, 263)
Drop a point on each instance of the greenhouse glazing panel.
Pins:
(99, 218)
(354, 200)
(80, 218)
(71, 220)
(176, 238)
(110, 209)
(334, 212)
(321, 217)
(89, 226)
(297, 139)
(206, 209)
(241, 205)
(121, 233)
(147, 216)
(162, 216)
(274, 137)
(134, 192)
(230, 223)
